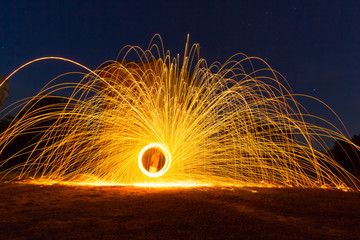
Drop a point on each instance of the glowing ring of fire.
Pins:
(166, 153)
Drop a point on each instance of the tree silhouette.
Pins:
(4, 90)
(19, 149)
(347, 155)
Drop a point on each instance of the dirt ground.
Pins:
(123, 212)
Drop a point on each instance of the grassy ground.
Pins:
(122, 212)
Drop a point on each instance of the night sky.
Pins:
(314, 44)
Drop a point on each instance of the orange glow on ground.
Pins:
(183, 184)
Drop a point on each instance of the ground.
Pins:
(124, 212)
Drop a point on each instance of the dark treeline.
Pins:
(347, 155)
(343, 152)
(23, 143)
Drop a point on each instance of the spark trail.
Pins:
(236, 123)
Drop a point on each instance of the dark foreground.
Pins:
(84, 212)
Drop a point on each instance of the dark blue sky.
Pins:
(314, 44)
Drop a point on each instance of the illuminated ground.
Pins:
(116, 212)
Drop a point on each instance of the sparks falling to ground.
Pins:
(170, 121)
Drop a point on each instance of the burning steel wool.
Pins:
(171, 121)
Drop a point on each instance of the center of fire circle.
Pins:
(154, 160)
